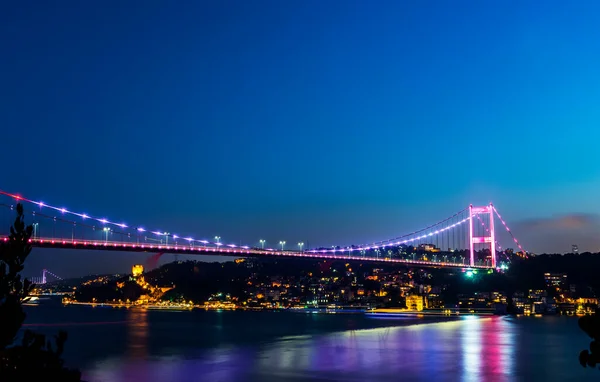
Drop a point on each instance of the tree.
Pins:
(591, 326)
(35, 357)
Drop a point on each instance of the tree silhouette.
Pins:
(35, 357)
(591, 326)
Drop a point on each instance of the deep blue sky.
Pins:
(332, 122)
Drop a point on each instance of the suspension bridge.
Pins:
(466, 239)
(44, 277)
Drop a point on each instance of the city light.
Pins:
(35, 230)
(106, 231)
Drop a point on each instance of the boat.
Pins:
(31, 301)
(169, 307)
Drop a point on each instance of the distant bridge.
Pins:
(43, 278)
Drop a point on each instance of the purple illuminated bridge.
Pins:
(467, 239)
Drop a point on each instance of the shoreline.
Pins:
(382, 312)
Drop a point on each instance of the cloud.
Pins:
(557, 234)
(571, 221)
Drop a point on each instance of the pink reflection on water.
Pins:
(471, 349)
(487, 348)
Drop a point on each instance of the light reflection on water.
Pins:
(137, 333)
(472, 349)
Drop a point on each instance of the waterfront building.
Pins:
(415, 302)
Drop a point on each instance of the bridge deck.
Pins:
(228, 251)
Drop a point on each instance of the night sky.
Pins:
(333, 122)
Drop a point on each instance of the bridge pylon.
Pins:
(491, 239)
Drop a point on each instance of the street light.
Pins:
(300, 245)
(218, 238)
(106, 230)
(262, 243)
(282, 243)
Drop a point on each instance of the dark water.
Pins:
(116, 345)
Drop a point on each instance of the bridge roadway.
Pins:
(226, 250)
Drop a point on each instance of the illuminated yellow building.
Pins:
(429, 248)
(588, 300)
(219, 305)
(414, 302)
(137, 270)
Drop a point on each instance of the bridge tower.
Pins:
(44, 276)
(491, 239)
